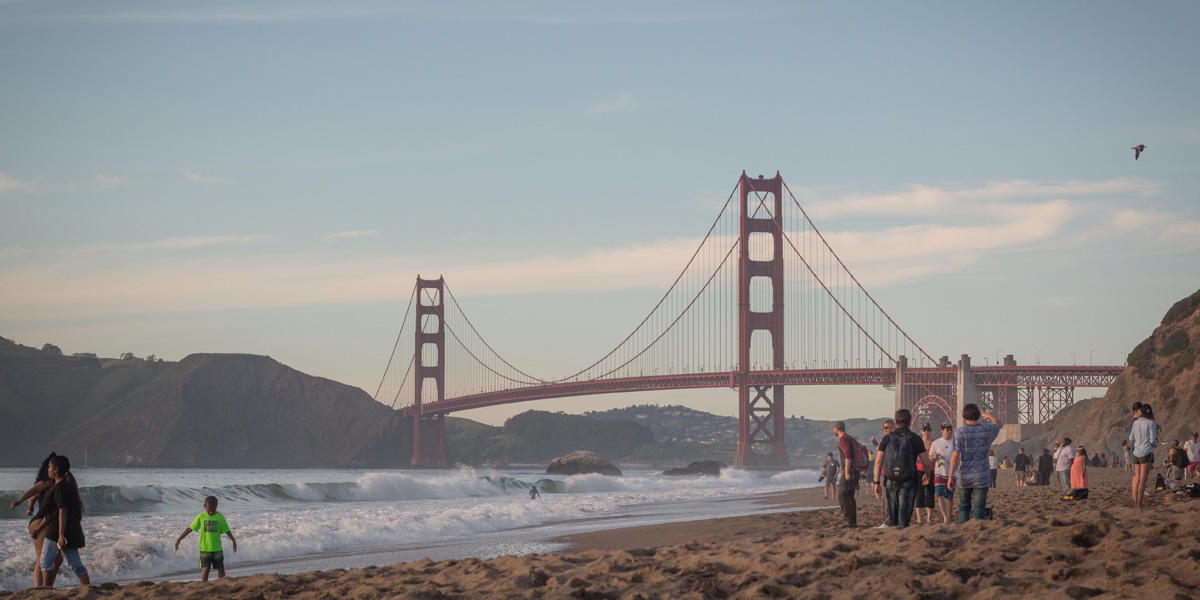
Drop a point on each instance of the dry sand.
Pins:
(1038, 546)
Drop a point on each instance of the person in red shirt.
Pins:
(849, 482)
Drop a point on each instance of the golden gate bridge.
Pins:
(738, 315)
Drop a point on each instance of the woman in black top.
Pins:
(38, 495)
(64, 524)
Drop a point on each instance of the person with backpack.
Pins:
(896, 463)
(852, 454)
(969, 462)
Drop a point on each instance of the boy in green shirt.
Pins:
(210, 524)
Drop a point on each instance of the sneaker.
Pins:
(881, 526)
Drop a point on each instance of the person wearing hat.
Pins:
(940, 451)
(925, 494)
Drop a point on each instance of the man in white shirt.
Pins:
(1192, 447)
(939, 452)
(1063, 457)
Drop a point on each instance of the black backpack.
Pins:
(899, 462)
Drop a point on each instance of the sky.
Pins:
(270, 177)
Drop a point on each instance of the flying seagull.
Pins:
(1137, 150)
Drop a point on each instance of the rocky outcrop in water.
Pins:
(700, 467)
(579, 462)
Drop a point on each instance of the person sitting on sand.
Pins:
(1079, 480)
(849, 485)
(939, 452)
(1045, 467)
(1143, 437)
(899, 453)
(211, 524)
(1178, 463)
(968, 462)
(829, 475)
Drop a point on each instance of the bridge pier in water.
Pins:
(761, 440)
(429, 440)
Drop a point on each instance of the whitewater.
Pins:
(294, 520)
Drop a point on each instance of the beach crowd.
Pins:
(913, 473)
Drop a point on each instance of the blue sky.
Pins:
(269, 177)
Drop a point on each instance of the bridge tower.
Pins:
(429, 450)
(760, 407)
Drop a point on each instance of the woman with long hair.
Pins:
(1143, 437)
(37, 496)
(64, 524)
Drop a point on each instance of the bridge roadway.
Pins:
(1001, 375)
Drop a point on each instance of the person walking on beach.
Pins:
(926, 495)
(939, 452)
(1192, 447)
(1143, 437)
(992, 466)
(896, 464)
(210, 524)
(1021, 464)
(64, 524)
(829, 475)
(39, 496)
(968, 462)
(1064, 457)
(1045, 467)
(888, 424)
(849, 483)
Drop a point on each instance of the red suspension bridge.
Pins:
(738, 315)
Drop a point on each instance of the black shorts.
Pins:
(1144, 460)
(215, 560)
(925, 496)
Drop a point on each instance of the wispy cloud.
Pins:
(357, 233)
(926, 200)
(111, 181)
(204, 179)
(9, 184)
(623, 102)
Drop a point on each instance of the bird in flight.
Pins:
(1137, 150)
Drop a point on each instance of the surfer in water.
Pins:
(533, 492)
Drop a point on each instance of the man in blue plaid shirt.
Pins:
(969, 462)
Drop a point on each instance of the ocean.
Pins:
(297, 520)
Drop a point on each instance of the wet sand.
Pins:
(1038, 545)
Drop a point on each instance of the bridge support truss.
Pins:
(429, 440)
(760, 407)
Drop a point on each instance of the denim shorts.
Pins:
(50, 552)
(942, 491)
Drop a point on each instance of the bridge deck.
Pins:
(1063, 376)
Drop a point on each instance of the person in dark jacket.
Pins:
(64, 524)
(38, 496)
(1045, 467)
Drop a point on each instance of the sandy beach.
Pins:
(1038, 545)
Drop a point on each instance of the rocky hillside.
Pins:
(1163, 370)
(207, 410)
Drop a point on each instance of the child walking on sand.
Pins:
(210, 524)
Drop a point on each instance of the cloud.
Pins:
(357, 233)
(111, 181)
(623, 102)
(170, 283)
(925, 200)
(204, 179)
(1130, 219)
(8, 184)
